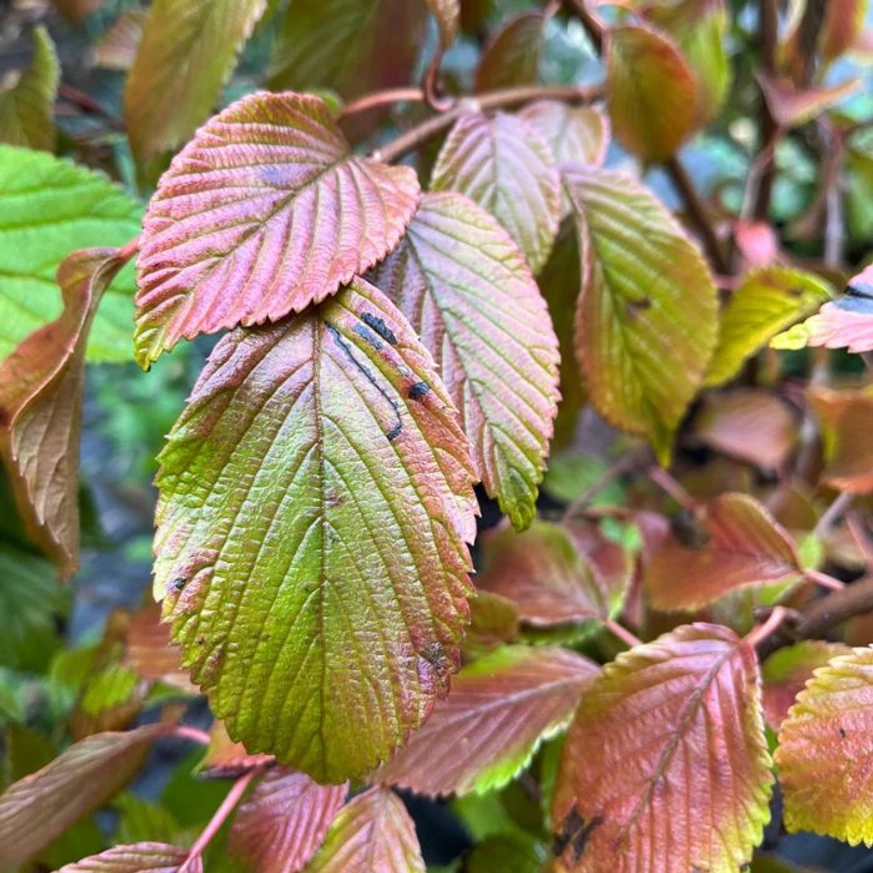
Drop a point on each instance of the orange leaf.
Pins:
(847, 421)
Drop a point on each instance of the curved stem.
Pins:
(824, 580)
(191, 733)
(382, 98)
(431, 85)
(670, 486)
(629, 639)
(762, 631)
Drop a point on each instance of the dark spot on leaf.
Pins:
(378, 324)
(795, 292)
(842, 734)
(689, 530)
(200, 639)
(575, 833)
(418, 390)
(633, 307)
(395, 431)
(368, 336)
(179, 583)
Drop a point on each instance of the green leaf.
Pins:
(646, 318)
(467, 291)
(27, 108)
(513, 57)
(188, 51)
(516, 853)
(314, 506)
(48, 208)
(506, 167)
(141, 820)
(767, 301)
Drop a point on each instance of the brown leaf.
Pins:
(513, 57)
(846, 419)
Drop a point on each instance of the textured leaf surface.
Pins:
(792, 108)
(48, 208)
(651, 92)
(513, 56)
(282, 823)
(680, 779)
(350, 46)
(136, 858)
(576, 134)
(646, 316)
(744, 546)
(767, 301)
(27, 108)
(824, 760)
(468, 293)
(263, 213)
(846, 419)
(40, 807)
(786, 671)
(372, 832)
(188, 51)
(507, 168)
(118, 45)
(499, 710)
(448, 16)
(315, 503)
(41, 394)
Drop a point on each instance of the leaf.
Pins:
(448, 17)
(644, 345)
(507, 168)
(498, 712)
(493, 622)
(519, 853)
(575, 133)
(651, 93)
(842, 27)
(681, 778)
(117, 47)
(136, 858)
(513, 56)
(351, 46)
(48, 208)
(188, 51)
(748, 424)
(263, 213)
(226, 759)
(546, 576)
(347, 561)
(40, 807)
(744, 546)
(41, 391)
(76, 11)
(150, 650)
(468, 293)
(846, 419)
(142, 820)
(768, 300)
(792, 108)
(282, 823)
(27, 108)
(372, 832)
(786, 671)
(824, 752)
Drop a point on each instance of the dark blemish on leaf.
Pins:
(842, 734)
(378, 324)
(200, 639)
(633, 307)
(418, 390)
(369, 337)
(689, 530)
(436, 656)
(795, 292)
(395, 431)
(575, 833)
(179, 583)
(581, 839)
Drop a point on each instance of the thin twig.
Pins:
(382, 98)
(833, 514)
(668, 484)
(593, 27)
(824, 580)
(859, 535)
(762, 631)
(622, 633)
(191, 733)
(431, 86)
(768, 27)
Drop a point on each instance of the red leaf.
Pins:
(226, 759)
(792, 108)
(486, 731)
(372, 833)
(513, 56)
(467, 291)
(41, 385)
(577, 134)
(264, 212)
(283, 822)
(666, 765)
(746, 546)
(846, 419)
(136, 858)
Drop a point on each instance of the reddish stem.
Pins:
(668, 484)
(191, 733)
(383, 98)
(824, 580)
(833, 514)
(622, 633)
(129, 249)
(762, 631)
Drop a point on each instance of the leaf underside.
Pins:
(576, 134)
(136, 858)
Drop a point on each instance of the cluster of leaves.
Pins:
(642, 653)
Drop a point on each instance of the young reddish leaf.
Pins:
(651, 92)
(847, 421)
(41, 386)
(786, 671)
(747, 424)
(27, 108)
(118, 46)
(824, 752)
(506, 167)
(792, 108)
(486, 731)
(467, 291)
(757, 242)
(315, 503)
(225, 759)
(150, 651)
(136, 858)
(350, 46)
(744, 546)
(543, 572)
(188, 51)
(263, 213)
(513, 56)
(666, 765)
(767, 301)
(40, 807)
(576, 134)
(282, 823)
(644, 345)
(372, 832)
(448, 16)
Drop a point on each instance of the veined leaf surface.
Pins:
(466, 289)
(315, 504)
(576, 134)
(513, 56)
(264, 212)
(136, 858)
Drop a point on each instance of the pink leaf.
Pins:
(136, 858)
